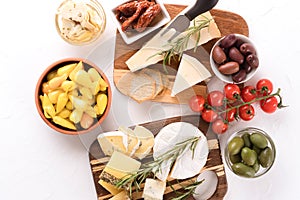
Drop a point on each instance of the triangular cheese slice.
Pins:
(146, 138)
(133, 142)
(113, 141)
(190, 72)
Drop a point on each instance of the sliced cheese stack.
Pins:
(154, 189)
(134, 143)
(118, 166)
(190, 72)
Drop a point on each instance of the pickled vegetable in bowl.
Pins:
(73, 96)
(250, 152)
(80, 22)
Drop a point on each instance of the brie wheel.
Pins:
(187, 164)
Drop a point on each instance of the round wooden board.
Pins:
(227, 23)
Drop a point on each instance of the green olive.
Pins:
(266, 157)
(235, 145)
(243, 170)
(256, 166)
(246, 138)
(235, 158)
(249, 156)
(257, 150)
(259, 140)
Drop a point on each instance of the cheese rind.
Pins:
(154, 189)
(117, 169)
(190, 72)
(187, 164)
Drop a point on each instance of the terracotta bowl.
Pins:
(39, 91)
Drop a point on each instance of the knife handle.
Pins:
(200, 7)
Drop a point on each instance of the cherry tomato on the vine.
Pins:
(248, 93)
(232, 91)
(215, 98)
(209, 115)
(196, 103)
(219, 126)
(264, 87)
(229, 115)
(246, 112)
(269, 105)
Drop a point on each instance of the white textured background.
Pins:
(37, 163)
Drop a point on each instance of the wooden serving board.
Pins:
(214, 161)
(227, 23)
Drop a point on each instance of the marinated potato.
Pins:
(73, 97)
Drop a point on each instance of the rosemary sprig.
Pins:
(152, 167)
(178, 46)
(188, 190)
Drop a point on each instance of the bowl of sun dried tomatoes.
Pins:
(137, 18)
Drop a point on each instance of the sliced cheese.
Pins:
(133, 142)
(154, 189)
(147, 55)
(121, 196)
(190, 72)
(187, 164)
(146, 138)
(113, 141)
(118, 166)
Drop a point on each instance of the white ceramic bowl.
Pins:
(228, 78)
(132, 36)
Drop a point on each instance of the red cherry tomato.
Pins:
(264, 87)
(215, 98)
(209, 115)
(230, 115)
(246, 112)
(196, 103)
(232, 91)
(248, 93)
(219, 126)
(269, 105)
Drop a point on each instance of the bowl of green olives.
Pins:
(250, 152)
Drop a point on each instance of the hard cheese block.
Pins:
(116, 169)
(147, 55)
(190, 72)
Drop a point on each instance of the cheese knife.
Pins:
(182, 22)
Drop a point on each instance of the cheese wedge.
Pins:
(146, 138)
(113, 141)
(187, 164)
(154, 189)
(145, 56)
(190, 72)
(118, 166)
(121, 196)
(133, 142)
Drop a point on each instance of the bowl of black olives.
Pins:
(250, 152)
(234, 58)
